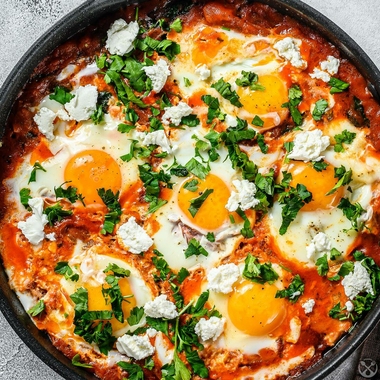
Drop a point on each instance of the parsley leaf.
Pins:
(176, 25)
(70, 193)
(196, 203)
(345, 137)
(322, 265)
(24, 197)
(196, 168)
(37, 309)
(191, 185)
(135, 316)
(135, 372)
(195, 249)
(293, 291)
(164, 47)
(187, 82)
(56, 213)
(190, 120)
(249, 78)
(197, 363)
(76, 361)
(182, 275)
(61, 95)
(352, 212)
(319, 109)
(257, 121)
(224, 89)
(213, 108)
(64, 268)
(337, 85)
(246, 231)
(210, 237)
(320, 165)
(261, 143)
(295, 98)
(36, 166)
(344, 176)
(260, 273)
(114, 210)
(337, 312)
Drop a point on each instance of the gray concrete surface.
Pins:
(23, 21)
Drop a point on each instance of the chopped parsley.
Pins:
(210, 237)
(70, 193)
(320, 165)
(195, 249)
(37, 309)
(191, 185)
(260, 273)
(111, 200)
(352, 212)
(196, 168)
(214, 111)
(345, 137)
(56, 213)
(64, 268)
(196, 203)
(295, 98)
(25, 197)
(36, 166)
(293, 291)
(76, 361)
(187, 82)
(319, 109)
(337, 85)
(249, 79)
(61, 95)
(257, 121)
(176, 25)
(322, 265)
(344, 176)
(224, 89)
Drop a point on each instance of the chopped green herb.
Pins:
(293, 291)
(344, 176)
(36, 166)
(352, 212)
(257, 121)
(319, 109)
(224, 89)
(260, 273)
(213, 108)
(56, 213)
(135, 372)
(24, 197)
(337, 312)
(190, 121)
(64, 268)
(345, 137)
(295, 98)
(261, 143)
(70, 193)
(182, 275)
(210, 237)
(76, 361)
(249, 79)
(37, 309)
(337, 85)
(191, 185)
(187, 82)
(334, 253)
(196, 168)
(320, 165)
(196, 203)
(176, 25)
(125, 128)
(61, 95)
(246, 231)
(322, 265)
(111, 200)
(195, 249)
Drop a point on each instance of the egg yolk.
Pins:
(269, 100)
(91, 170)
(208, 43)
(254, 310)
(97, 302)
(318, 183)
(212, 212)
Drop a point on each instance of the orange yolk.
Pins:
(318, 183)
(213, 213)
(208, 43)
(97, 302)
(254, 310)
(269, 100)
(91, 170)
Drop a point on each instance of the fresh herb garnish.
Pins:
(56, 213)
(249, 79)
(257, 121)
(24, 197)
(37, 309)
(36, 166)
(196, 203)
(187, 82)
(260, 273)
(176, 25)
(293, 291)
(344, 176)
(111, 200)
(64, 268)
(261, 143)
(320, 165)
(337, 85)
(295, 98)
(196, 168)
(322, 265)
(70, 193)
(213, 108)
(195, 249)
(224, 89)
(352, 212)
(210, 237)
(319, 109)
(135, 372)
(191, 185)
(61, 95)
(76, 361)
(345, 137)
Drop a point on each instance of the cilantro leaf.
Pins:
(320, 165)
(196, 203)
(61, 95)
(114, 210)
(295, 98)
(337, 312)
(337, 85)
(70, 193)
(190, 121)
(322, 265)
(164, 47)
(196, 168)
(260, 273)
(345, 137)
(64, 268)
(197, 364)
(176, 25)
(246, 231)
(181, 371)
(213, 108)
(319, 109)
(224, 89)
(182, 275)
(191, 185)
(249, 79)
(344, 176)
(261, 143)
(24, 197)
(135, 316)
(76, 361)
(210, 237)
(195, 249)
(56, 213)
(257, 121)
(37, 309)
(135, 372)
(293, 291)
(36, 166)
(352, 212)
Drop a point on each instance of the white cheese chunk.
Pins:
(33, 227)
(210, 329)
(230, 121)
(203, 72)
(243, 197)
(133, 237)
(294, 333)
(222, 278)
(155, 138)
(51, 236)
(288, 48)
(44, 119)
(331, 65)
(357, 281)
(309, 145)
(158, 74)
(83, 104)
(175, 114)
(135, 346)
(308, 306)
(319, 246)
(121, 36)
(319, 74)
(349, 306)
(161, 307)
(63, 115)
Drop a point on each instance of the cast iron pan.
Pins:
(78, 19)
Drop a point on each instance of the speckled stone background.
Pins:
(23, 21)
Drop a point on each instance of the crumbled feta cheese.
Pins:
(349, 306)
(135, 346)
(63, 115)
(212, 328)
(222, 278)
(309, 145)
(357, 281)
(83, 104)
(203, 72)
(289, 49)
(294, 333)
(44, 119)
(175, 114)
(244, 197)
(155, 138)
(331, 65)
(308, 306)
(158, 74)
(133, 236)
(319, 74)
(51, 236)
(151, 332)
(230, 121)
(33, 227)
(318, 246)
(121, 36)
(161, 307)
